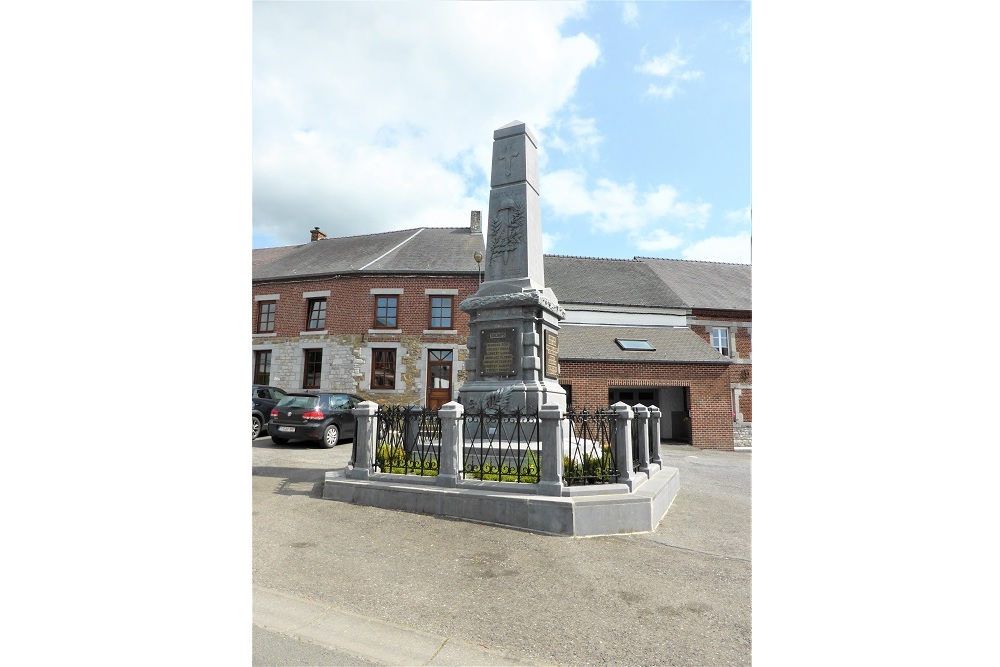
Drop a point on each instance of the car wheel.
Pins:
(330, 436)
(279, 441)
(257, 426)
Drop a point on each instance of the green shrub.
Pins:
(393, 458)
(591, 470)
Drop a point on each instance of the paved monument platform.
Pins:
(581, 511)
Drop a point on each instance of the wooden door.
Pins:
(439, 363)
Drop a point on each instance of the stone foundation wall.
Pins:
(743, 435)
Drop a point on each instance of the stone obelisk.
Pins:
(514, 319)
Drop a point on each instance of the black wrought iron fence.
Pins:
(502, 446)
(407, 440)
(591, 458)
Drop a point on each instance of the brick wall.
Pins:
(746, 404)
(347, 341)
(711, 400)
(351, 307)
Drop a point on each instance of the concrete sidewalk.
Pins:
(394, 588)
(352, 633)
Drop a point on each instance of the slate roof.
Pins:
(262, 256)
(613, 282)
(709, 285)
(642, 282)
(423, 249)
(596, 343)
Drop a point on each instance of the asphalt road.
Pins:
(680, 595)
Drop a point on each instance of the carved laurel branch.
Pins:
(508, 234)
(533, 298)
(499, 398)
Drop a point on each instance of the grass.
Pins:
(393, 458)
(530, 472)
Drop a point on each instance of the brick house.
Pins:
(378, 315)
(670, 333)
(375, 315)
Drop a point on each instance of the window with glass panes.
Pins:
(265, 318)
(384, 369)
(262, 367)
(440, 312)
(385, 312)
(720, 340)
(317, 314)
(313, 369)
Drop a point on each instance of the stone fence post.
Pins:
(411, 429)
(642, 435)
(364, 440)
(623, 444)
(450, 460)
(551, 439)
(654, 436)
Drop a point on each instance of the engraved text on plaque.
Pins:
(551, 354)
(497, 348)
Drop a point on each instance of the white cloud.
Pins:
(664, 92)
(611, 208)
(661, 65)
(669, 66)
(573, 135)
(742, 35)
(549, 242)
(658, 240)
(738, 217)
(630, 14)
(733, 249)
(368, 117)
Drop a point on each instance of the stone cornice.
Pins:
(530, 298)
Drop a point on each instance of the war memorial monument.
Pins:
(513, 374)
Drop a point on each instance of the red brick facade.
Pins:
(351, 306)
(711, 404)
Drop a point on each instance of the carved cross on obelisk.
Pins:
(509, 155)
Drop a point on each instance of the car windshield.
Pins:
(298, 402)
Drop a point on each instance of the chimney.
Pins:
(476, 222)
(316, 234)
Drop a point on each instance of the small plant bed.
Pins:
(393, 458)
(591, 470)
(491, 473)
(525, 471)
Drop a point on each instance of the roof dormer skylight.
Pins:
(632, 344)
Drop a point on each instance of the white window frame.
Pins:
(717, 334)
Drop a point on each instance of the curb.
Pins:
(368, 638)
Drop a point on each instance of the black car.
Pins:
(319, 416)
(264, 400)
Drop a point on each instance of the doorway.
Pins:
(674, 404)
(439, 366)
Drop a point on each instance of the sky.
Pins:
(370, 117)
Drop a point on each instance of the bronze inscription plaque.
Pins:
(498, 354)
(551, 355)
